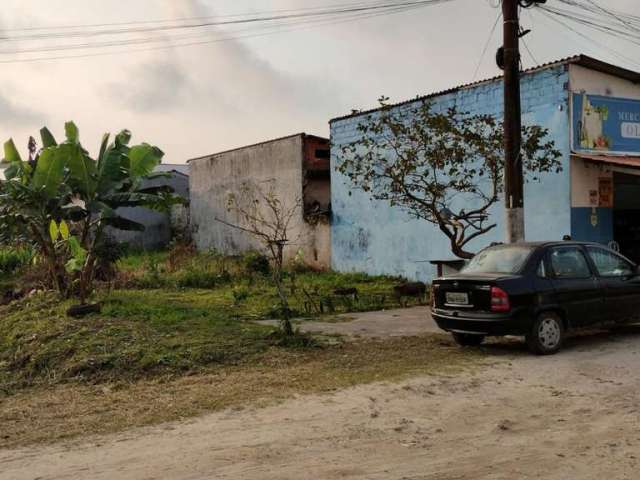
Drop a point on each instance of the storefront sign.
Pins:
(606, 124)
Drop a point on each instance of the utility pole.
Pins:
(513, 178)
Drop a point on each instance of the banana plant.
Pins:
(64, 183)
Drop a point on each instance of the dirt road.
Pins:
(572, 416)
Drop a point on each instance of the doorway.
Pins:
(626, 214)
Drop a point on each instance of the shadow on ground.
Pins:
(576, 341)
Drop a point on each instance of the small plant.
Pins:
(265, 216)
(239, 296)
(256, 262)
(179, 255)
(108, 253)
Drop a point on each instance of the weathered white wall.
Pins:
(279, 162)
(585, 177)
(597, 83)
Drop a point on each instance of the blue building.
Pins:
(592, 111)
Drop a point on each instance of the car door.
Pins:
(620, 282)
(576, 286)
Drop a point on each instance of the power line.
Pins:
(594, 23)
(486, 46)
(167, 39)
(217, 23)
(315, 22)
(566, 26)
(524, 42)
(179, 19)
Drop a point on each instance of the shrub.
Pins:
(256, 262)
(198, 278)
(109, 252)
(239, 295)
(12, 259)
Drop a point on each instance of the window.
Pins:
(499, 259)
(323, 153)
(569, 262)
(609, 264)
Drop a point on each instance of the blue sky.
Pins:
(196, 100)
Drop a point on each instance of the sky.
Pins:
(197, 100)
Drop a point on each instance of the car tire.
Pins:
(546, 334)
(467, 339)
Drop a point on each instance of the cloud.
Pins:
(154, 86)
(14, 114)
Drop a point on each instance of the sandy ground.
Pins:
(385, 323)
(575, 415)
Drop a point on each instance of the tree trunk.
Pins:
(88, 271)
(460, 253)
(57, 272)
(285, 323)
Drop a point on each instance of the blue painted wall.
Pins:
(370, 236)
(584, 230)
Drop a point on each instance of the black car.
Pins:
(538, 290)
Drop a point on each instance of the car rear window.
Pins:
(501, 259)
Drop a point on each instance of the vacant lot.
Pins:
(574, 415)
(177, 337)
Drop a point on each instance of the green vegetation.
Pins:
(61, 200)
(168, 313)
(67, 411)
(12, 259)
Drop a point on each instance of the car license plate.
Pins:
(457, 298)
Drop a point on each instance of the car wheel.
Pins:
(546, 335)
(468, 339)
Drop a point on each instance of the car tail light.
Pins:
(499, 300)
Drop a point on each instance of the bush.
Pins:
(256, 262)
(197, 278)
(240, 295)
(109, 252)
(12, 259)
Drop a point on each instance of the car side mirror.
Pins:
(636, 272)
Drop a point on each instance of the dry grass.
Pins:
(43, 415)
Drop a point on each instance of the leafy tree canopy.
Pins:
(442, 167)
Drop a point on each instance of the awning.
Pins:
(621, 160)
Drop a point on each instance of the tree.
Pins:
(263, 215)
(442, 167)
(63, 199)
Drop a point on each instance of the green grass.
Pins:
(148, 329)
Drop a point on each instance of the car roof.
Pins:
(549, 243)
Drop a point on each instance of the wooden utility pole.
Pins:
(513, 179)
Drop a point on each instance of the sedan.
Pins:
(537, 290)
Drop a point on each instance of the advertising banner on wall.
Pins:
(605, 124)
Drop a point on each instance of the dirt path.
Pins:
(574, 415)
(403, 322)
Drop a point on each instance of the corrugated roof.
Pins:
(204, 157)
(622, 160)
(182, 168)
(582, 60)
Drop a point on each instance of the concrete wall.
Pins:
(278, 163)
(373, 237)
(597, 83)
(158, 225)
